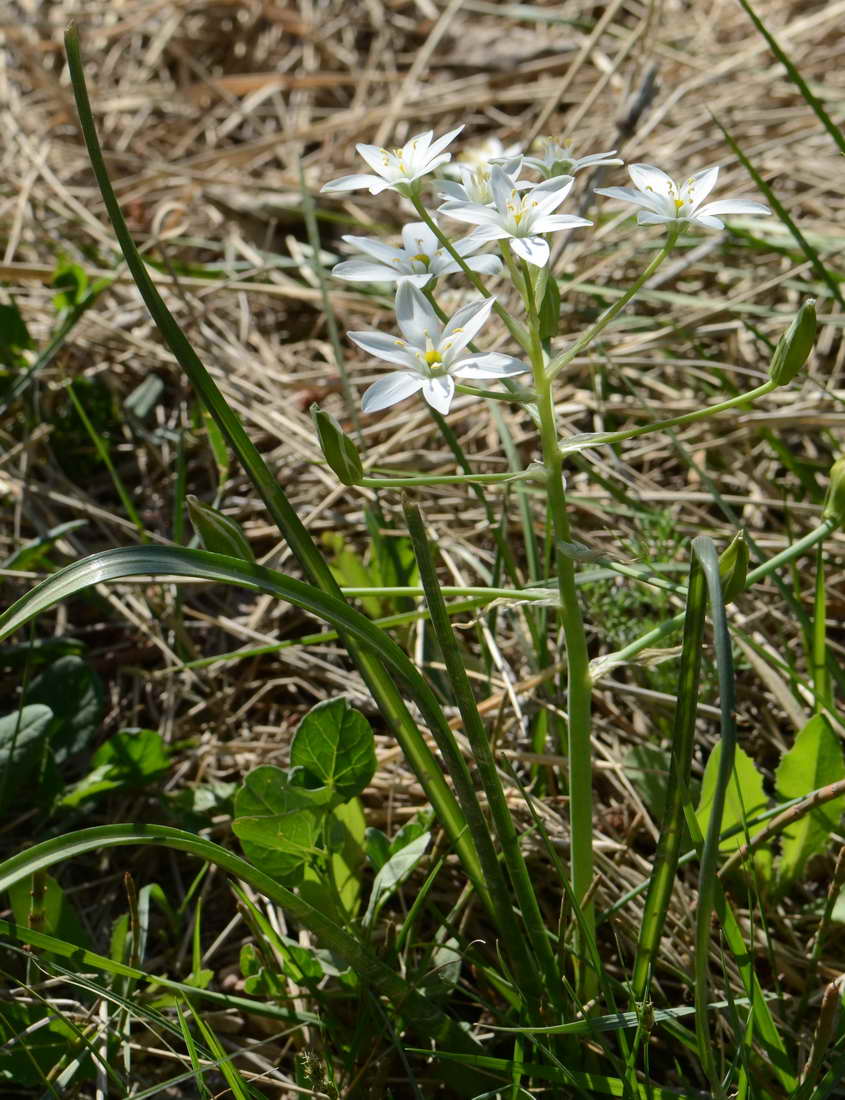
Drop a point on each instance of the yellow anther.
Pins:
(423, 259)
(432, 357)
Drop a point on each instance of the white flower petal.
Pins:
(353, 183)
(441, 143)
(534, 250)
(377, 158)
(551, 223)
(456, 191)
(502, 188)
(387, 391)
(491, 364)
(384, 346)
(650, 217)
(648, 178)
(364, 271)
(733, 206)
(417, 239)
(708, 221)
(463, 326)
(416, 318)
(696, 189)
(439, 392)
(627, 194)
(384, 253)
(472, 212)
(485, 265)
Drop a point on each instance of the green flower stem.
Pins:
(449, 479)
(540, 970)
(648, 640)
(578, 683)
(513, 326)
(686, 418)
(565, 357)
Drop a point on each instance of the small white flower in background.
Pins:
(519, 216)
(430, 354)
(397, 169)
(490, 151)
(475, 182)
(557, 160)
(663, 201)
(420, 259)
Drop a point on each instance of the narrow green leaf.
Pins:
(218, 533)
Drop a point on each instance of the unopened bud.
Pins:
(218, 533)
(733, 567)
(795, 345)
(834, 505)
(339, 450)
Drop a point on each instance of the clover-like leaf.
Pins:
(334, 743)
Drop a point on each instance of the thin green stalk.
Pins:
(383, 688)
(565, 357)
(823, 696)
(542, 970)
(577, 683)
(103, 453)
(448, 479)
(600, 439)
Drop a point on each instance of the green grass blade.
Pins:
(781, 211)
(813, 102)
(381, 685)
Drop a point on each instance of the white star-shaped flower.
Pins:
(557, 160)
(475, 184)
(519, 217)
(663, 201)
(430, 354)
(397, 169)
(420, 259)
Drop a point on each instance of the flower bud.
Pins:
(795, 345)
(339, 450)
(218, 533)
(834, 505)
(733, 567)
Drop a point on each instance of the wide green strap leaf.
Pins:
(421, 1013)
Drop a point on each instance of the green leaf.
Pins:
(21, 733)
(74, 693)
(132, 758)
(32, 554)
(71, 282)
(14, 336)
(815, 760)
(744, 798)
(26, 1064)
(278, 824)
(394, 873)
(346, 830)
(334, 743)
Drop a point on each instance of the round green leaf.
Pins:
(334, 743)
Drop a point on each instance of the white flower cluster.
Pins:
(485, 191)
